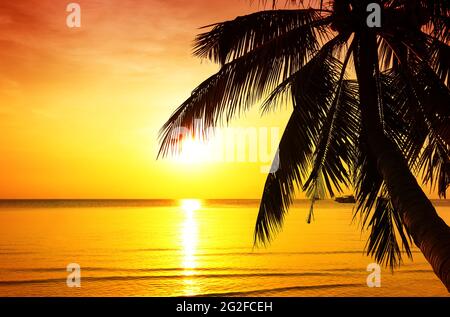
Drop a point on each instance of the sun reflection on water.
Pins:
(189, 240)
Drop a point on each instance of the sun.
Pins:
(194, 151)
(190, 205)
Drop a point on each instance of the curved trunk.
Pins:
(429, 232)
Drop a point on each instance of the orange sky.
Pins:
(80, 108)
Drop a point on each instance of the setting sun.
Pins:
(194, 151)
(190, 205)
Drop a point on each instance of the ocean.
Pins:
(193, 248)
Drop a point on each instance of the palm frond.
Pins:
(386, 54)
(395, 108)
(312, 93)
(441, 28)
(436, 8)
(433, 100)
(367, 180)
(301, 3)
(282, 94)
(334, 151)
(386, 229)
(440, 59)
(435, 163)
(420, 105)
(423, 46)
(232, 39)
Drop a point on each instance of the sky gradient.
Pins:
(81, 108)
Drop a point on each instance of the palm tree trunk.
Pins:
(429, 232)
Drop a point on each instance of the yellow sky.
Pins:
(81, 108)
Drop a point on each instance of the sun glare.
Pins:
(189, 235)
(194, 151)
(190, 205)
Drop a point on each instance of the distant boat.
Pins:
(349, 199)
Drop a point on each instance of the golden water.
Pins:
(163, 248)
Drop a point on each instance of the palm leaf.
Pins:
(433, 100)
(339, 135)
(440, 59)
(386, 228)
(282, 94)
(232, 39)
(335, 150)
(312, 93)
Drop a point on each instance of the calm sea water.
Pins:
(168, 248)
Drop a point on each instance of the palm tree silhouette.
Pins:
(371, 132)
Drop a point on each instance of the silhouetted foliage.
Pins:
(301, 56)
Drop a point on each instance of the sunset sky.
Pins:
(81, 108)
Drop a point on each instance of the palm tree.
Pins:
(371, 132)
